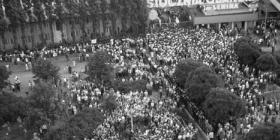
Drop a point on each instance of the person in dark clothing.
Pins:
(69, 69)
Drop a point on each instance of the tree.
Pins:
(109, 104)
(199, 83)
(4, 76)
(267, 62)
(222, 106)
(45, 70)
(267, 131)
(79, 127)
(183, 69)
(127, 86)
(11, 107)
(44, 98)
(99, 68)
(247, 51)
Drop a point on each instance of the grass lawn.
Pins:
(24, 76)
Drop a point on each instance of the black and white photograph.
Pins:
(140, 69)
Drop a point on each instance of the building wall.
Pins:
(1, 43)
(34, 34)
(225, 18)
(170, 3)
(8, 40)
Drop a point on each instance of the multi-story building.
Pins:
(103, 22)
(236, 13)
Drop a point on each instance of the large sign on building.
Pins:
(218, 4)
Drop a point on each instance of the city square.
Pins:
(140, 70)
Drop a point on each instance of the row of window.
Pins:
(26, 39)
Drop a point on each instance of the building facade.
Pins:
(99, 18)
(234, 13)
(170, 3)
(28, 36)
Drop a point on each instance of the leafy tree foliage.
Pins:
(4, 76)
(45, 70)
(35, 118)
(109, 104)
(11, 107)
(43, 96)
(127, 86)
(222, 106)
(264, 132)
(79, 127)
(267, 62)
(45, 101)
(183, 69)
(99, 68)
(247, 51)
(199, 83)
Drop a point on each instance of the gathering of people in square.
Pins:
(154, 58)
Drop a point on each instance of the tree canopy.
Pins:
(247, 51)
(183, 69)
(199, 83)
(99, 67)
(109, 104)
(264, 132)
(79, 127)
(266, 62)
(45, 70)
(222, 106)
(11, 107)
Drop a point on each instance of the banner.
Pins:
(93, 41)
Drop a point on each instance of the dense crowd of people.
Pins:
(134, 64)
(154, 59)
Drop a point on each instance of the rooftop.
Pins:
(223, 16)
(242, 8)
(199, 13)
